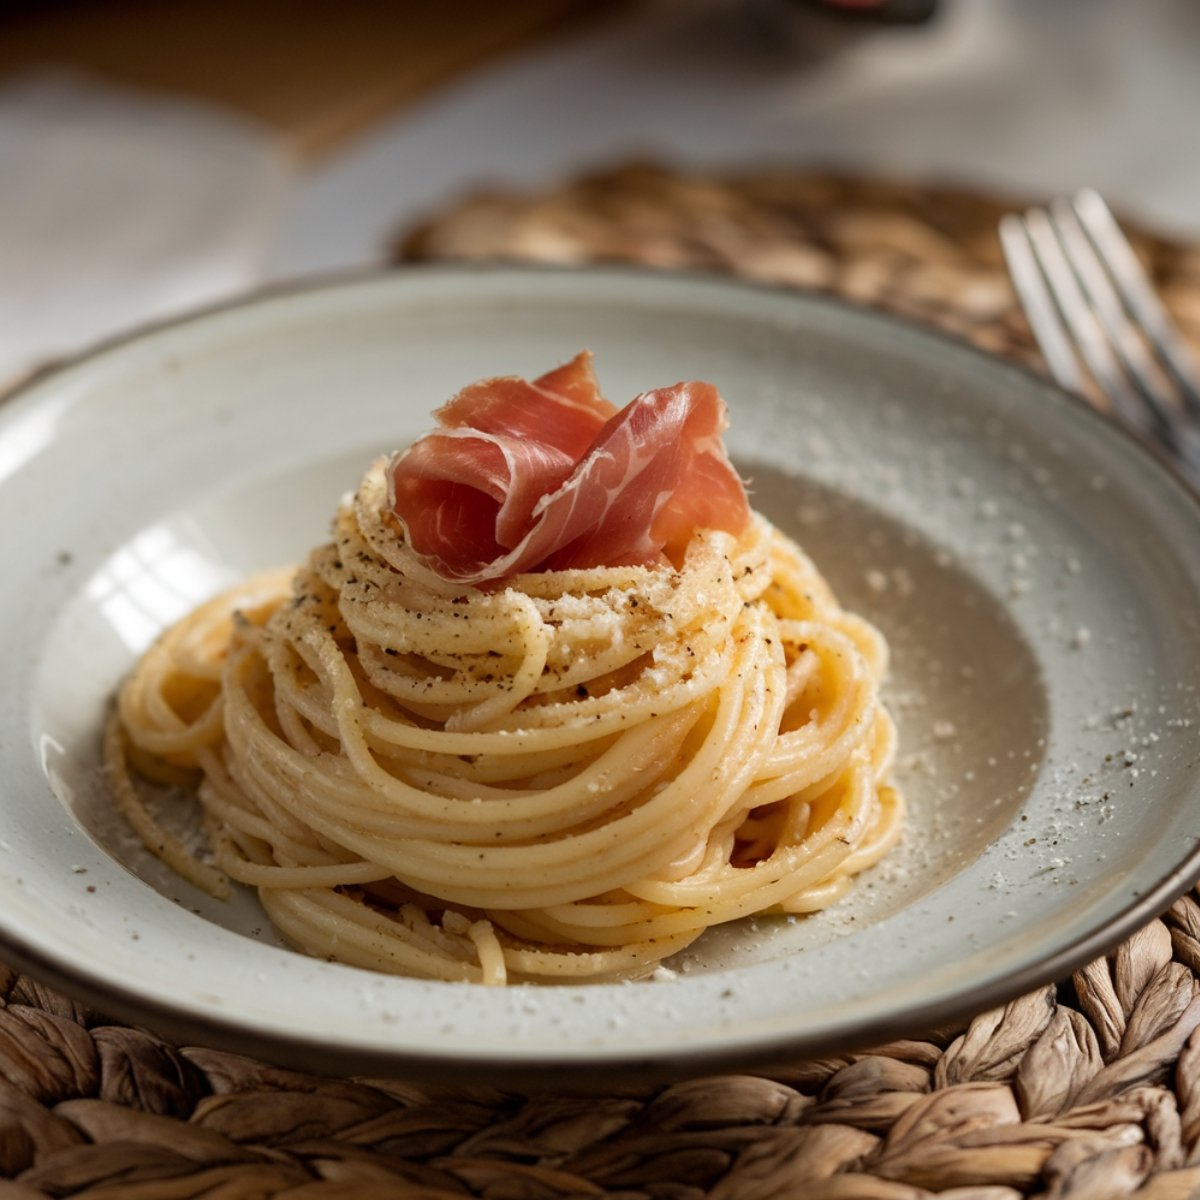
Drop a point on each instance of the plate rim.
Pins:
(114, 998)
(17, 394)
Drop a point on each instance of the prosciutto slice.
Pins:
(548, 475)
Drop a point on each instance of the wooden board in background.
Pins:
(318, 72)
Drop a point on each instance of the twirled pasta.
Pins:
(570, 777)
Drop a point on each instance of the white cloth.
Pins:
(118, 207)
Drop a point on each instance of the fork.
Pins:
(1087, 298)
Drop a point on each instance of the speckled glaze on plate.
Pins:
(1036, 573)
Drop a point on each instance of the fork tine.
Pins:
(1138, 294)
(1077, 314)
(1138, 363)
(1038, 305)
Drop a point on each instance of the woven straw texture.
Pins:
(927, 253)
(1088, 1090)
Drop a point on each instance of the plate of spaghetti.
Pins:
(528, 672)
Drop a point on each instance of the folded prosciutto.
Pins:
(548, 475)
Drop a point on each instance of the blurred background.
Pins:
(156, 155)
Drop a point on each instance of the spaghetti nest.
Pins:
(571, 777)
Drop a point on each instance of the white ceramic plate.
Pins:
(1037, 574)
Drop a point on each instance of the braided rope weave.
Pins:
(1087, 1091)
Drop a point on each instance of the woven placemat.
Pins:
(1088, 1090)
(926, 252)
